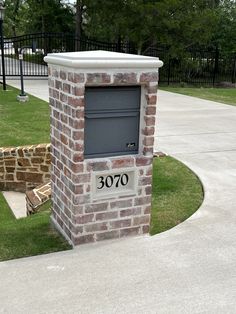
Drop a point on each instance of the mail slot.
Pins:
(112, 117)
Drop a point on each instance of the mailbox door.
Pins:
(111, 121)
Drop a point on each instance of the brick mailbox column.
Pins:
(106, 195)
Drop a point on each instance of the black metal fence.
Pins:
(196, 66)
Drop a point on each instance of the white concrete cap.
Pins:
(102, 59)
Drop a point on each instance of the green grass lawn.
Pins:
(223, 95)
(22, 123)
(27, 236)
(177, 194)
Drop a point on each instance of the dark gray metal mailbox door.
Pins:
(111, 121)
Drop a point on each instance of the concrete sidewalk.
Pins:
(34, 86)
(188, 269)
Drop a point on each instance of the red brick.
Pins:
(117, 224)
(92, 208)
(76, 168)
(51, 82)
(78, 189)
(63, 118)
(148, 131)
(76, 77)
(64, 139)
(77, 157)
(151, 99)
(146, 228)
(78, 91)
(56, 114)
(149, 171)
(142, 200)
(143, 161)
(58, 84)
(89, 238)
(66, 152)
(102, 226)
(152, 89)
(67, 172)
(149, 77)
(130, 78)
(63, 75)
(148, 141)
(81, 178)
(76, 229)
(76, 123)
(97, 166)
(106, 216)
(107, 235)
(84, 219)
(129, 232)
(55, 72)
(148, 151)
(63, 97)
(150, 120)
(142, 220)
(76, 102)
(66, 88)
(76, 147)
(130, 212)
(147, 210)
(78, 135)
(121, 204)
(148, 190)
(81, 199)
(98, 78)
(150, 110)
(122, 162)
(55, 94)
(66, 130)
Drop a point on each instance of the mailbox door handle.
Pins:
(110, 115)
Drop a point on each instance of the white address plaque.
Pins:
(114, 183)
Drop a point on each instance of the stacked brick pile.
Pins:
(36, 197)
(23, 168)
(75, 213)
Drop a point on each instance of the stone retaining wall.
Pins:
(23, 168)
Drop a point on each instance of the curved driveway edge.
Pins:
(188, 269)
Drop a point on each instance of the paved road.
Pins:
(12, 67)
(188, 269)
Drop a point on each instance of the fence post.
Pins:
(168, 79)
(216, 66)
(234, 71)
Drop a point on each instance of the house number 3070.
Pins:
(113, 180)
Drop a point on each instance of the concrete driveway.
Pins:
(188, 269)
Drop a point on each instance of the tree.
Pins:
(174, 23)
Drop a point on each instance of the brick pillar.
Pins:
(77, 213)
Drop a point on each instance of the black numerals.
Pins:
(116, 180)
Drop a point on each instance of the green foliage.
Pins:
(175, 24)
(29, 16)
